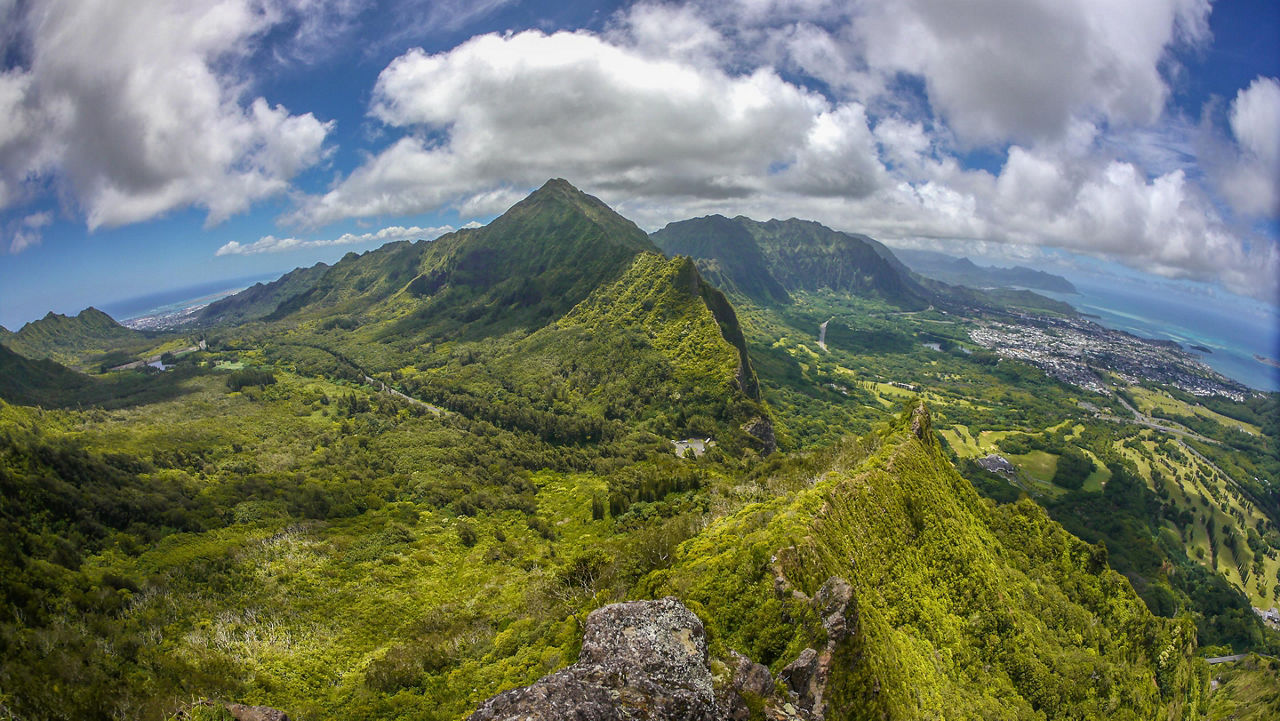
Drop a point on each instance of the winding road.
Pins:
(392, 391)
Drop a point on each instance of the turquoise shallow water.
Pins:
(1233, 328)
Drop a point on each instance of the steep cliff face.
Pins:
(764, 261)
(694, 327)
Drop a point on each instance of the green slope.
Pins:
(656, 352)
(322, 546)
(963, 609)
(74, 340)
(559, 318)
(262, 299)
(37, 382)
(764, 260)
(355, 284)
(727, 256)
(806, 255)
(530, 265)
(523, 270)
(664, 300)
(1246, 690)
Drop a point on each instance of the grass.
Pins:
(1246, 690)
(1153, 402)
(1191, 485)
(1038, 464)
(1098, 479)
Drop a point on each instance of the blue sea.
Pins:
(178, 299)
(1234, 328)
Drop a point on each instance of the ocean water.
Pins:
(1233, 328)
(179, 298)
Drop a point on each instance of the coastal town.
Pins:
(1075, 350)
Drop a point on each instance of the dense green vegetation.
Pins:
(394, 487)
(762, 261)
(90, 339)
(262, 299)
(1246, 690)
(964, 609)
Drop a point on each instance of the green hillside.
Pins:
(77, 340)
(523, 270)
(394, 487)
(764, 260)
(655, 353)
(1246, 690)
(767, 262)
(262, 299)
(727, 255)
(808, 256)
(37, 382)
(963, 609)
(664, 299)
(413, 565)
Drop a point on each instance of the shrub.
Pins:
(250, 377)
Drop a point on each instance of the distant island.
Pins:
(1266, 361)
(1202, 349)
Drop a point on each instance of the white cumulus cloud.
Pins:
(1252, 181)
(272, 244)
(1002, 70)
(859, 115)
(29, 231)
(510, 111)
(140, 110)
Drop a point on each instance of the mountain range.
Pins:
(400, 485)
(962, 271)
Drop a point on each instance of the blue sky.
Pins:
(164, 143)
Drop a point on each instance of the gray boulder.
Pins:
(639, 660)
(240, 712)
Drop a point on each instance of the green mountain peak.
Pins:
(765, 261)
(558, 201)
(70, 340)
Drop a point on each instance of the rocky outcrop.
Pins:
(761, 428)
(639, 660)
(648, 660)
(239, 712)
(922, 424)
(808, 675)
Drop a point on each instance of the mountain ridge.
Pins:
(963, 271)
(407, 488)
(72, 340)
(767, 260)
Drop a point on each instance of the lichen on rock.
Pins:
(639, 660)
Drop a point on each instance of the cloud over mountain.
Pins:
(1040, 123)
(510, 110)
(272, 244)
(721, 118)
